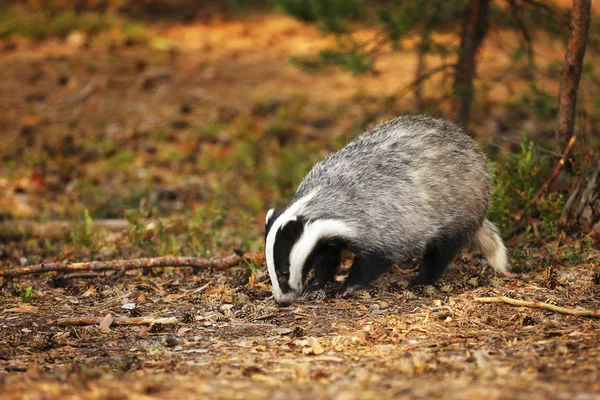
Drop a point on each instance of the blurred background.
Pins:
(186, 120)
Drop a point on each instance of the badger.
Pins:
(414, 186)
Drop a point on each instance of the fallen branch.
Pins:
(125, 265)
(538, 304)
(82, 321)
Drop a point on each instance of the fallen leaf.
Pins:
(310, 345)
(90, 292)
(106, 322)
(183, 330)
(23, 308)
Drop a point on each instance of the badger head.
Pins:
(289, 241)
(282, 233)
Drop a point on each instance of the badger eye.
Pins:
(281, 274)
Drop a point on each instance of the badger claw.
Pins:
(346, 291)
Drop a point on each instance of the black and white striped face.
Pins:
(282, 232)
(290, 241)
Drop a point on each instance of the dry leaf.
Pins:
(106, 322)
(23, 308)
(90, 292)
(310, 345)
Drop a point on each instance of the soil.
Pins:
(231, 341)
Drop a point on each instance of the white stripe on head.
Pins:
(269, 215)
(313, 232)
(287, 215)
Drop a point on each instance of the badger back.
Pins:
(400, 185)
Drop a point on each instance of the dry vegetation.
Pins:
(196, 129)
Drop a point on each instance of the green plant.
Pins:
(536, 99)
(577, 253)
(82, 233)
(27, 295)
(42, 23)
(148, 235)
(518, 178)
(331, 15)
(353, 59)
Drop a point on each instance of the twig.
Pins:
(216, 263)
(81, 321)
(557, 169)
(538, 304)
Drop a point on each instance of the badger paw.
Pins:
(347, 291)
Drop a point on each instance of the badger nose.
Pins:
(284, 303)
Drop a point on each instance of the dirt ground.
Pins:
(74, 112)
(232, 342)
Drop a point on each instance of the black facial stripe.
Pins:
(285, 238)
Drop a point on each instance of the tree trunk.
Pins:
(473, 32)
(571, 73)
(582, 209)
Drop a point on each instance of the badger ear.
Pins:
(293, 228)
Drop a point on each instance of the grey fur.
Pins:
(402, 186)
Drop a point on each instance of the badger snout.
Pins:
(287, 298)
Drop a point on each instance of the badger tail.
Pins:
(488, 241)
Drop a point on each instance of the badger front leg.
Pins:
(364, 270)
(325, 263)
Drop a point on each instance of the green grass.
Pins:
(41, 24)
(518, 178)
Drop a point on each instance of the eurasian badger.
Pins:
(410, 187)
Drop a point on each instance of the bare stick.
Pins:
(557, 169)
(538, 304)
(81, 321)
(124, 265)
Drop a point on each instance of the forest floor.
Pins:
(191, 133)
